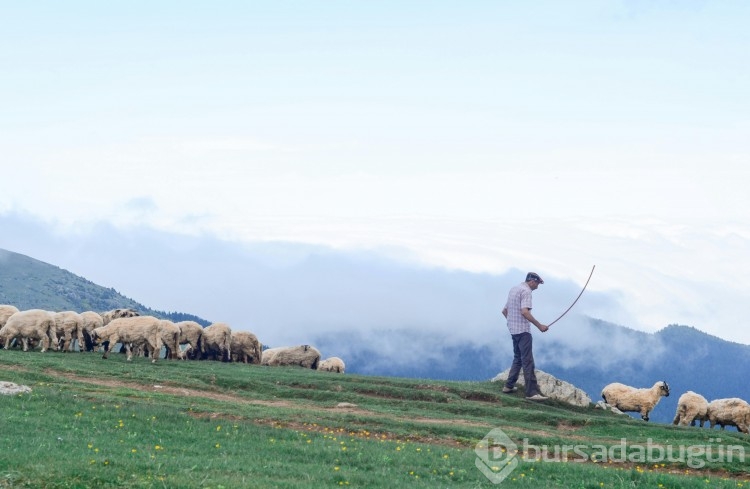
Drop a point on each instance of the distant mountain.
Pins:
(684, 357)
(586, 352)
(32, 284)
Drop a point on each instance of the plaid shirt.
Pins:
(518, 298)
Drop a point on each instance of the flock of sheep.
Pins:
(691, 407)
(147, 335)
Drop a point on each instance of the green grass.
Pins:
(95, 423)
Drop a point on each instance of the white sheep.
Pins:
(631, 399)
(31, 324)
(190, 335)
(216, 342)
(131, 332)
(332, 364)
(170, 340)
(245, 347)
(303, 356)
(90, 320)
(68, 324)
(6, 311)
(691, 408)
(118, 313)
(730, 412)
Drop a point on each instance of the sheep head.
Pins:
(663, 388)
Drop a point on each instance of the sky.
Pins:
(486, 138)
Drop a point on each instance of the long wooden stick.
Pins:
(574, 302)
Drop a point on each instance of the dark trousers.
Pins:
(523, 358)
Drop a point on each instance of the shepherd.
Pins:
(517, 311)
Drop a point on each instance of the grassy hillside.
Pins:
(90, 422)
(32, 284)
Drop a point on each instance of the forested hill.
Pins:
(32, 284)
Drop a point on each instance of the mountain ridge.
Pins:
(28, 283)
(588, 353)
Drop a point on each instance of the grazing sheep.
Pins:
(332, 364)
(631, 399)
(170, 335)
(131, 332)
(67, 324)
(170, 338)
(31, 324)
(691, 407)
(90, 320)
(216, 342)
(304, 356)
(730, 412)
(118, 313)
(190, 334)
(245, 347)
(6, 311)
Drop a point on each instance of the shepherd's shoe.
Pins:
(537, 397)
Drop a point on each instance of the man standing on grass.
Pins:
(518, 313)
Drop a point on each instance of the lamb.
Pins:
(691, 407)
(730, 412)
(304, 356)
(130, 331)
(216, 342)
(332, 364)
(190, 334)
(631, 399)
(67, 325)
(90, 320)
(245, 347)
(31, 324)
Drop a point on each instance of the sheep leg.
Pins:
(154, 353)
(644, 414)
(108, 345)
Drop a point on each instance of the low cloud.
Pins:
(361, 304)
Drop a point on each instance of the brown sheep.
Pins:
(303, 356)
(190, 334)
(216, 342)
(131, 332)
(32, 324)
(245, 347)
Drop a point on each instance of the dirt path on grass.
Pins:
(343, 408)
(347, 408)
